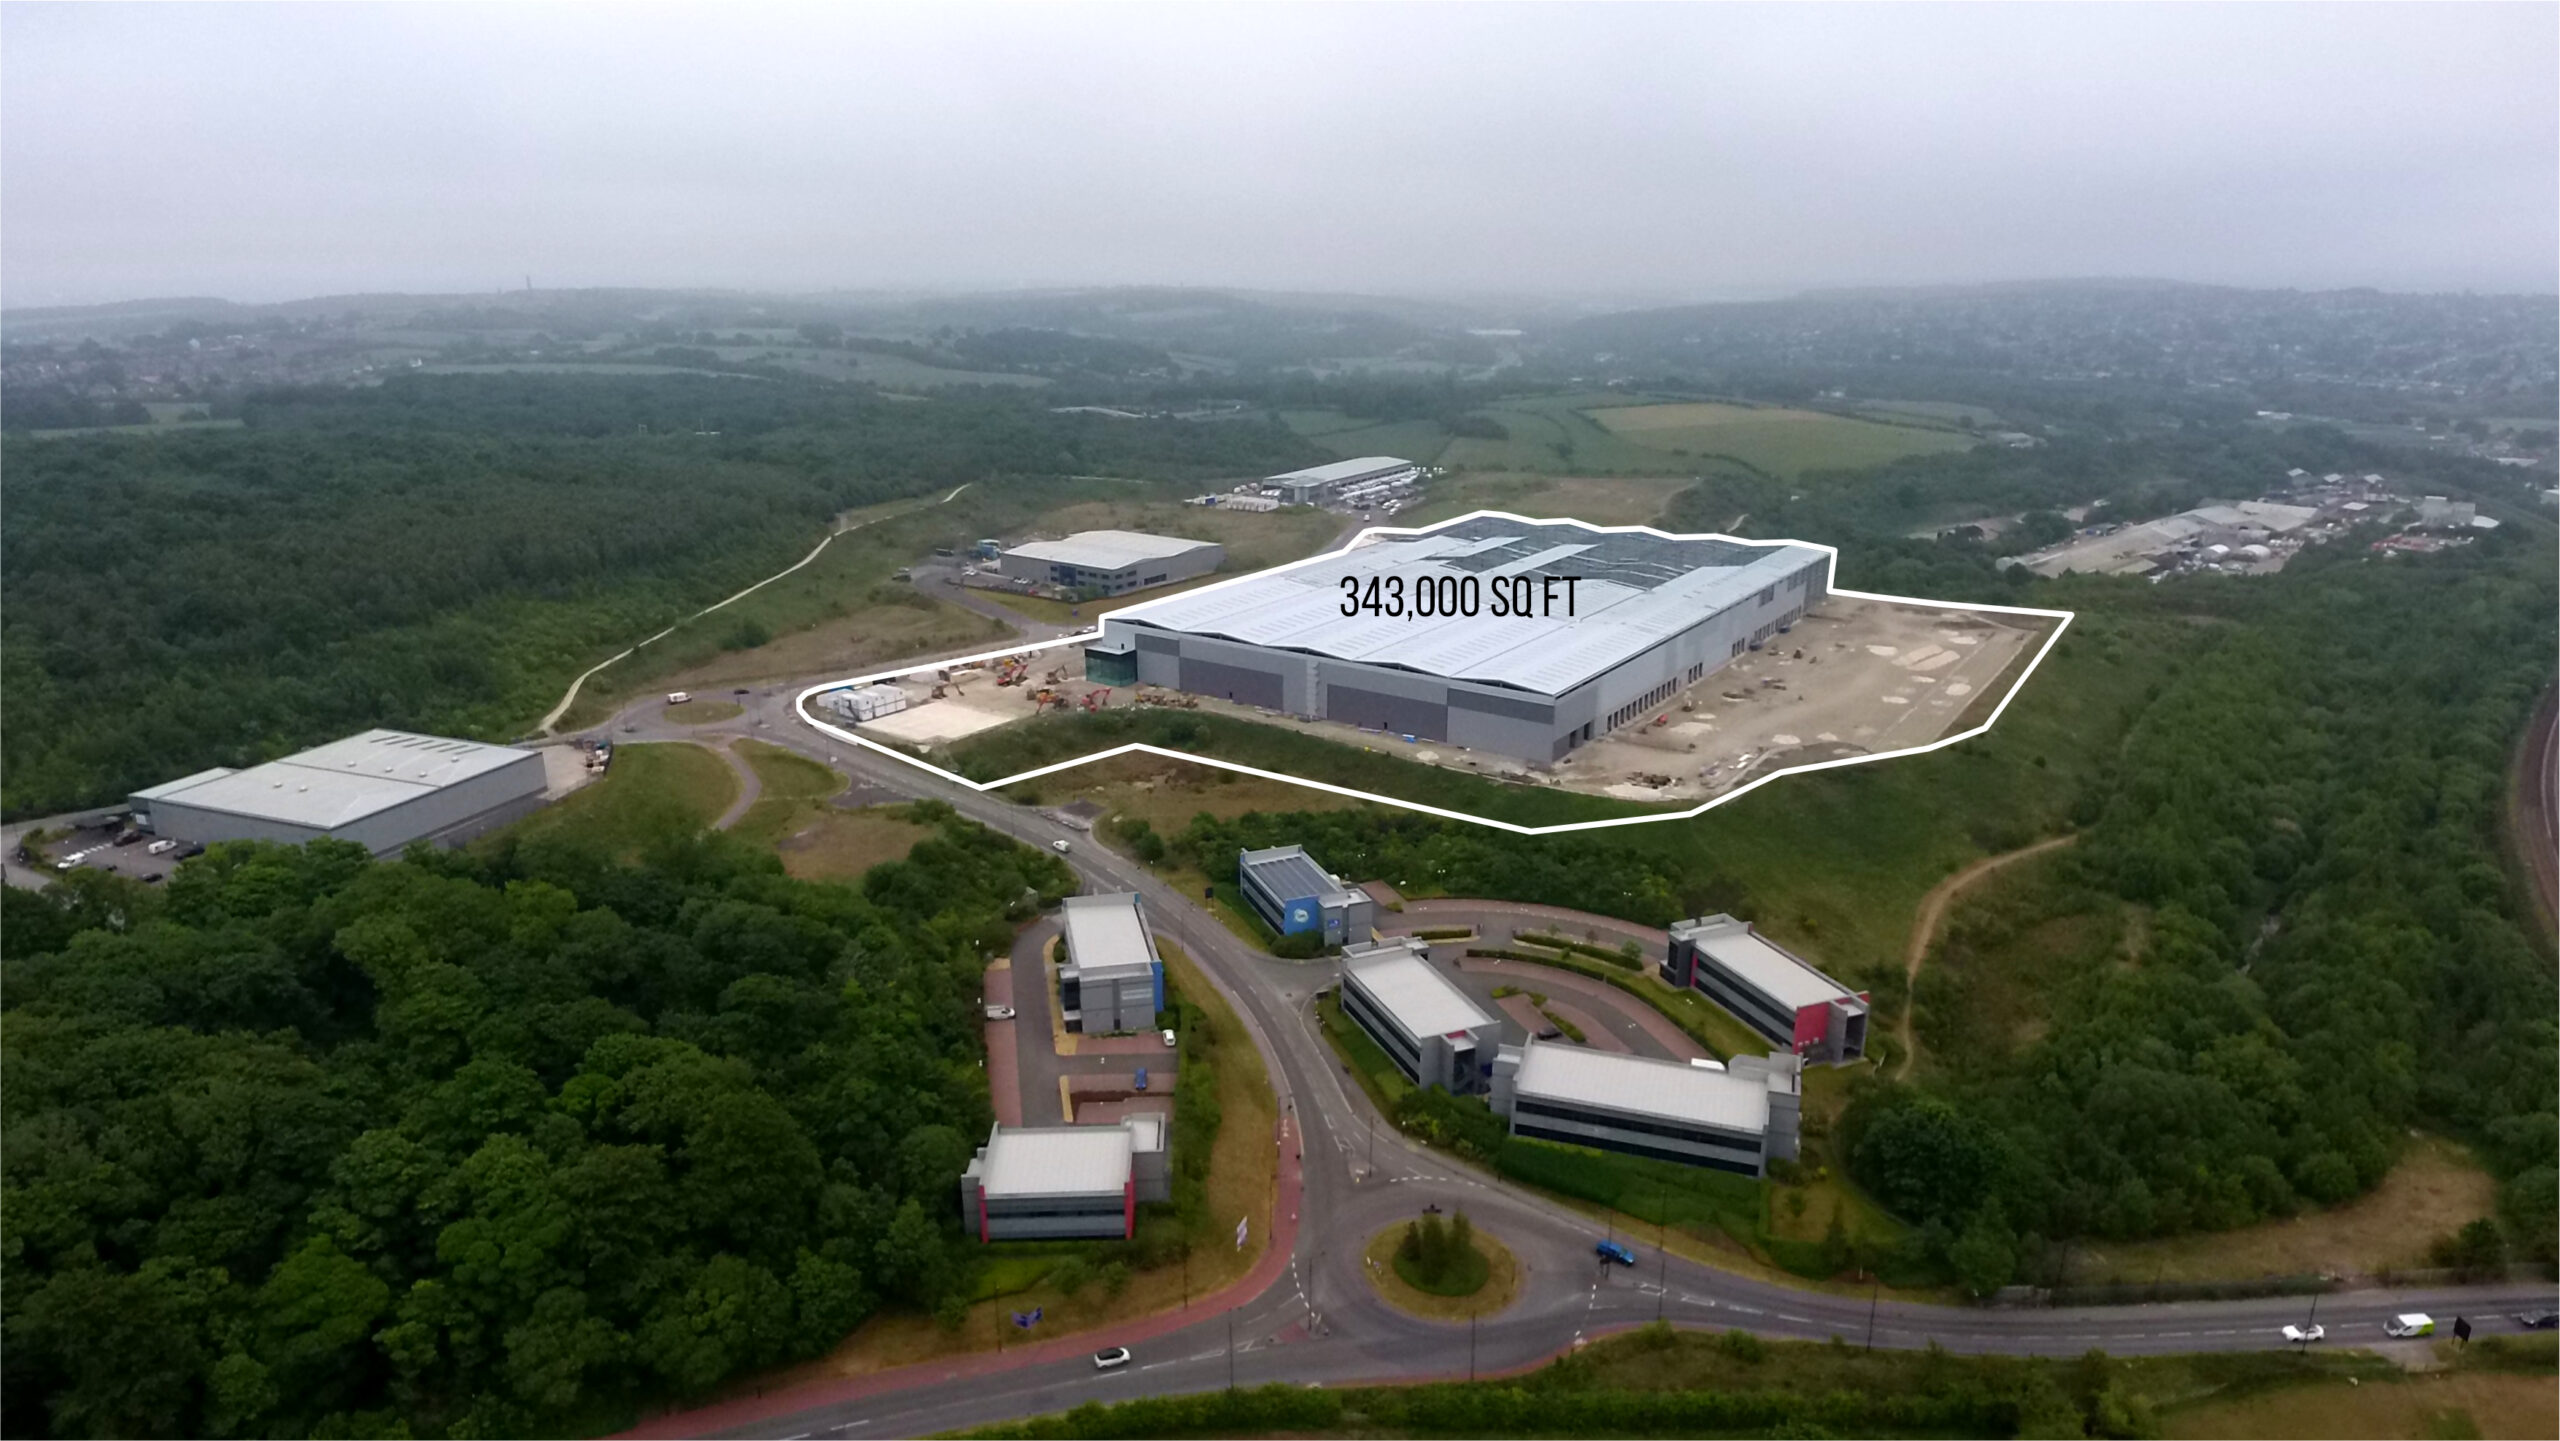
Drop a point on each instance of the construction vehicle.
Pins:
(1095, 700)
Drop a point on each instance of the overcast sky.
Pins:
(273, 152)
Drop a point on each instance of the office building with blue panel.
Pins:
(1292, 894)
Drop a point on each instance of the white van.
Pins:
(678, 697)
(2414, 1323)
(161, 847)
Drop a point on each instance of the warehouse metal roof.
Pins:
(1633, 592)
(1771, 969)
(1640, 1085)
(1290, 873)
(1398, 976)
(1109, 549)
(1056, 1160)
(344, 781)
(1335, 472)
(1105, 934)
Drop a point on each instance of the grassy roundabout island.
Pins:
(1441, 1270)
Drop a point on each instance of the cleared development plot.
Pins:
(1858, 677)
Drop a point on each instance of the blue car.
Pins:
(1612, 1251)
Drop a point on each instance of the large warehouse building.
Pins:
(1770, 988)
(1111, 562)
(1113, 980)
(1732, 1118)
(1428, 1027)
(1618, 623)
(1040, 1183)
(381, 790)
(1316, 482)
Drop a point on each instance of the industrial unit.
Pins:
(381, 789)
(1111, 562)
(1428, 1027)
(1771, 989)
(1313, 484)
(1035, 1183)
(1617, 623)
(1113, 980)
(1697, 1113)
(1294, 894)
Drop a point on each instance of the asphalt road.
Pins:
(1321, 1323)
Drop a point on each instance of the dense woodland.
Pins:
(491, 1144)
(445, 553)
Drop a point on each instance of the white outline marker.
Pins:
(799, 703)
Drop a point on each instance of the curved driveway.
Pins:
(1316, 1321)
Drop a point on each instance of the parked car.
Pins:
(128, 838)
(2538, 1320)
(1142, 1078)
(2413, 1323)
(2304, 1335)
(1106, 1360)
(1612, 1251)
(999, 1013)
(160, 847)
(1550, 1033)
(677, 697)
(1168, 1040)
(191, 852)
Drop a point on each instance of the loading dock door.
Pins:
(1231, 682)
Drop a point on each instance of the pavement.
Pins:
(1307, 1316)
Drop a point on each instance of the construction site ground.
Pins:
(1854, 677)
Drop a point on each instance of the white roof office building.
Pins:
(382, 790)
(1432, 1030)
(1650, 615)
(1735, 1117)
(1112, 979)
(1768, 988)
(1033, 1183)
(1111, 562)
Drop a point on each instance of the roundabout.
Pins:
(1441, 1269)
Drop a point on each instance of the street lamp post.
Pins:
(1874, 1289)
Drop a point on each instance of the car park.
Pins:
(1117, 1356)
(2304, 1335)
(1613, 1251)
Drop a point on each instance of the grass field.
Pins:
(651, 791)
(2441, 1404)
(1601, 500)
(700, 712)
(834, 845)
(2433, 1190)
(1420, 441)
(789, 786)
(1775, 441)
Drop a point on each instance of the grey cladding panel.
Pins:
(1400, 714)
(1527, 710)
(1234, 682)
(1158, 642)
